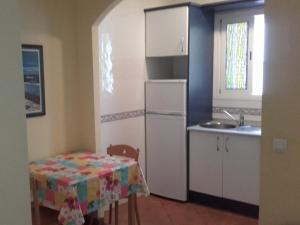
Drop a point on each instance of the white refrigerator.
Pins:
(166, 154)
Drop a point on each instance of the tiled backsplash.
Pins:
(122, 115)
(233, 110)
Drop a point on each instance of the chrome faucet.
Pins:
(239, 122)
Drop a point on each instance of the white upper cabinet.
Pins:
(167, 32)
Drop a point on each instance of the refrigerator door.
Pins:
(166, 97)
(166, 156)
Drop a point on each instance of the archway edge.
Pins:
(106, 11)
(89, 15)
(97, 72)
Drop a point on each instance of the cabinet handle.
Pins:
(226, 144)
(182, 44)
(218, 147)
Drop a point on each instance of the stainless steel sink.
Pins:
(218, 125)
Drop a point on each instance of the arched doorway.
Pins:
(119, 74)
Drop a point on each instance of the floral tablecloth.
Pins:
(77, 184)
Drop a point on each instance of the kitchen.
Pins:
(64, 29)
(160, 63)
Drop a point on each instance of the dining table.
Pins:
(83, 183)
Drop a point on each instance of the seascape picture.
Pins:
(32, 57)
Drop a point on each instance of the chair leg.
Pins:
(131, 209)
(93, 216)
(137, 215)
(110, 213)
(37, 216)
(116, 212)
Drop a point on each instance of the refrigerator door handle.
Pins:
(165, 114)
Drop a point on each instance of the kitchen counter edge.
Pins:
(236, 131)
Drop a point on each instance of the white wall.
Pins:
(123, 73)
(14, 179)
(52, 24)
(280, 180)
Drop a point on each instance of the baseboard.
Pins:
(224, 204)
(171, 199)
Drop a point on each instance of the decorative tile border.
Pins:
(122, 116)
(141, 112)
(245, 111)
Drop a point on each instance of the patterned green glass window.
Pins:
(236, 56)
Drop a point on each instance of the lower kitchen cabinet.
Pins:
(206, 163)
(241, 168)
(225, 165)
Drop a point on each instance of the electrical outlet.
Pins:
(279, 145)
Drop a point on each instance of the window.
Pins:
(258, 54)
(236, 56)
(239, 54)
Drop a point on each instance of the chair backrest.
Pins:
(124, 150)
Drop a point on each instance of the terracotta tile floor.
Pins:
(158, 211)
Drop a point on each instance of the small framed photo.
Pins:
(33, 72)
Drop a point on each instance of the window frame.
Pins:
(221, 21)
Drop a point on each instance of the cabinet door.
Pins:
(241, 168)
(206, 163)
(167, 32)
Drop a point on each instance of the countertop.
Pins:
(243, 130)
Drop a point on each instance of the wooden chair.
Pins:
(130, 152)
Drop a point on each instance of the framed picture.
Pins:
(33, 72)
